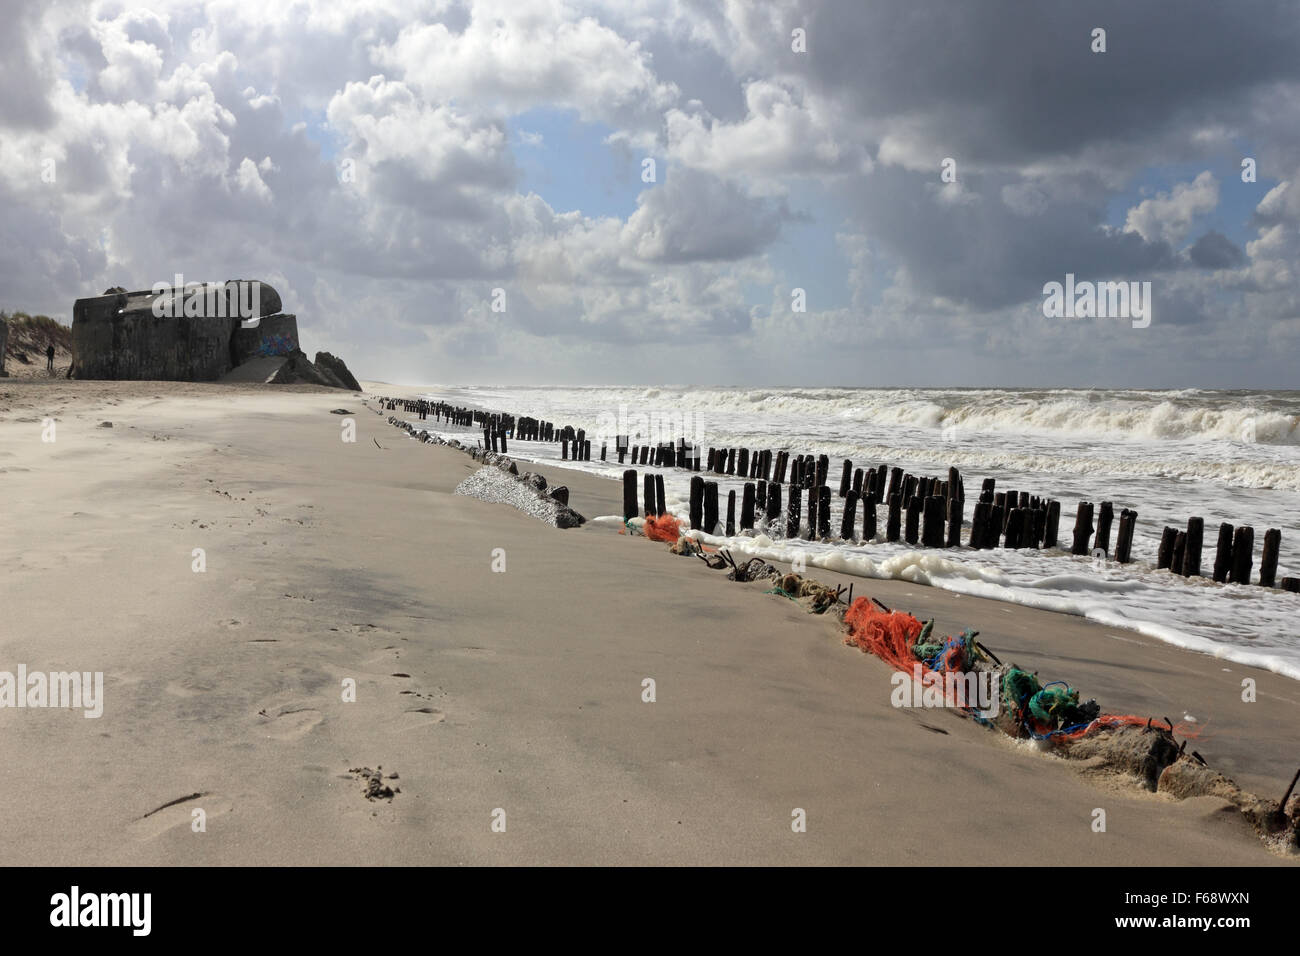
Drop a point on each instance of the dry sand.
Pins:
(329, 561)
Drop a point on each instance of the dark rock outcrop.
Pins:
(340, 371)
(299, 370)
(4, 337)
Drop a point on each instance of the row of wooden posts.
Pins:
(919, 509)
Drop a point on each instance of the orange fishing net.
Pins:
(662, 528)
(887, 634)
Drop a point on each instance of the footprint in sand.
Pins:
(289, 722)
(180, 812)
(421, 717)
(189, 687)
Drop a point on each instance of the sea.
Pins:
(1225, 456)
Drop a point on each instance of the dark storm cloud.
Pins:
(1006, 81)
(1214, 250)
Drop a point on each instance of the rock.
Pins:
(344, 411)
(299, 370)
(340, 371)
(561, 494)
(105, 424)
(534, 479)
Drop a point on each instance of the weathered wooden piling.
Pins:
(912, 529)
(1268, 560)
(1165, 553)
(823, 512)
(1015, 528)
(731, 513)
(932, 525)
(997, 522)
(697, 501)
(1223, 553)
(1082, 528)
(869, 516)
(956, 506)
(742, 463)
(629, 494)
(1243, 555)
(814, 498)
(1290, 584)
(731, 461)
(1124, 539)
(661, 504)
(823, 466)
(988, 490)
(782, 459)
(979, 522)
(711, 507)
(858, 478)
(846, 477)
(792, 514)
(648, 486)
(894, 518)
(1192, 547)
(747, 506)
(895, 482)
(849, 520)
(1180, 550)
(1105, 515)
(773, 505)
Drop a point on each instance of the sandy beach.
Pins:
(510, 696)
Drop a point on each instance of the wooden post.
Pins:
(731, 513)
(846, 476)
(850, 518)
(956, 506)
(997, 522)
(603, 450)
(869, 517)
(773, 505)
(1223, 553)
(731, 461)
(792, 514)
(1165, 554)
(932, 532)
(895, 482)
(858, 478)
(979, 522)
(1015, 528)
(1124, 540)
(661, 506)
(782, 459)
(564, 450)
(1192, 547)
(1268, 560)
(742, 463)
(747, 506)
(988, 490)
(1082, 528)
(1243, 555)
(629, 494)
(1180, 550)
(648, 484)
(1104, 518)
(893, 520)
(823, 512)
(1291, 584)
(913, 526)
(711, 507)
(1053, 523)
(823, 466)
(697, 501)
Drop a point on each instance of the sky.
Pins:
(677, 191)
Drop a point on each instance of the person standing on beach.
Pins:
(49, 359)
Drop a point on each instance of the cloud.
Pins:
(1169, 216)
